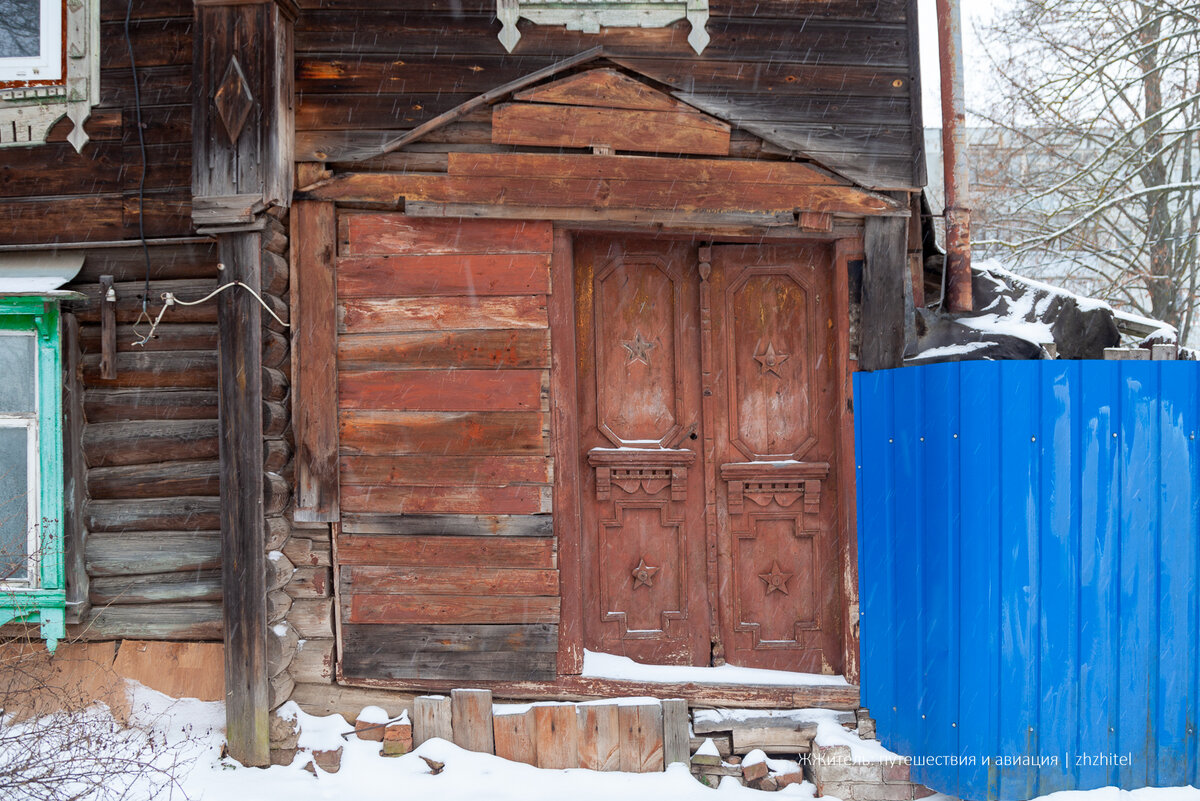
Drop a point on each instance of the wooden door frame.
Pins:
(565, 434)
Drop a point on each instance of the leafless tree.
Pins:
(1099, 173)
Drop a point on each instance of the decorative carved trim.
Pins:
(28, 113)
(648, 470)
(590, 16)
(783, 483)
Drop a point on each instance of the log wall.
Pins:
(447, 562)
(50, 193)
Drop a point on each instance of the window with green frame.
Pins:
(32, 573)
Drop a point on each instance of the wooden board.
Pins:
(515, 500)
(599, 737)
(442, 471)
(675, 731)
(456, 274)
(605, 88)
(443, 390)
(513, 348)
(527, 552)
(431, 718)
(314, 362)
(449, 580)
(178, 669)
(585, 126)
(557, 734)
(471, 717)
(392, 234)
(450, 525)
(449, 652)
(367, 608)
(440, 314)
(454, 433)
(641, 747)
(514, 737)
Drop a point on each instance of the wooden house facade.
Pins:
(521, 346)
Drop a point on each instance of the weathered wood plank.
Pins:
(586, 126)
(196, 620)
(314, 361)
(676, 743)
(471, 720)
(114, 405)
(74, 472)
(515, 500)
(148, 442)
(449, 580)
(162, 480)
(120, 554)
(200, 585)
(455, 639)
(599, 737)
(440, 551)
(639, 168)
(431, 718)
(365, 655)
(445, 471)
(153, 514)
(513, 348)
(605, 194)
(439, 314)
(180, 369)
(184, 336)
(641, 738)
(474, 274)
(129, 300)
(556, 732)
(450, 525)
(454, 433)
(393, 234)
(514, 737)
(443, 390)
(606, 88)
(884, 306)
(313, 662)
(368, 608)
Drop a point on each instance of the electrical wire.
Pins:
(169, 300)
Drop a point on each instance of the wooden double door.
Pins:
(708, 436)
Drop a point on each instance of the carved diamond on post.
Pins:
(776, 580)
(643, 574)
(639, 349)
(233, 100)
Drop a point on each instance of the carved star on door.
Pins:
(776, 580)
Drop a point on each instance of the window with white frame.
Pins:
(20, 529)
(31, 40)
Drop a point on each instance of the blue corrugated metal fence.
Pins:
(1029, 572)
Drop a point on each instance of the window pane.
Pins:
(14, 503)
(19, 28)
(18, 371)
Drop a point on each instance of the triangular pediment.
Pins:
(602, 87)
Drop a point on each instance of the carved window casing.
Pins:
(590, 16)
(30, 107)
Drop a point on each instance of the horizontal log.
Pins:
(450, 525)
(390, 234)
(309, 582)
(114, 405)
(313, 662)
(174, 369)
(158, 514)
(132, 553)
(198, 585)
(448, 581)
(154, 480)
(443, 551)
(55, 173)
(193, 259)
(776, 77)
(390, 188)
(375, 74)
(362, 659)
(282, 644)
(195, 620)
(445, 471)
(57, 219)
(149, 442)
(543, 125)
(129, 301)
(305, 552)
(512, 348)
(373, 433)
(450, 609)
(275, 272)
(312, 618)
(444, 390)
(472, 274)
(638, 168)
(277, 455)
(326, 699)
(511, 500)
(317, 111)
(440, 314)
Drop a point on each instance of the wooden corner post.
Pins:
(242, 147)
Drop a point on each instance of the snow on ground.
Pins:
(188, 735)
(609, 666)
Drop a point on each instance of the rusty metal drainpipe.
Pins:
(954, 158)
